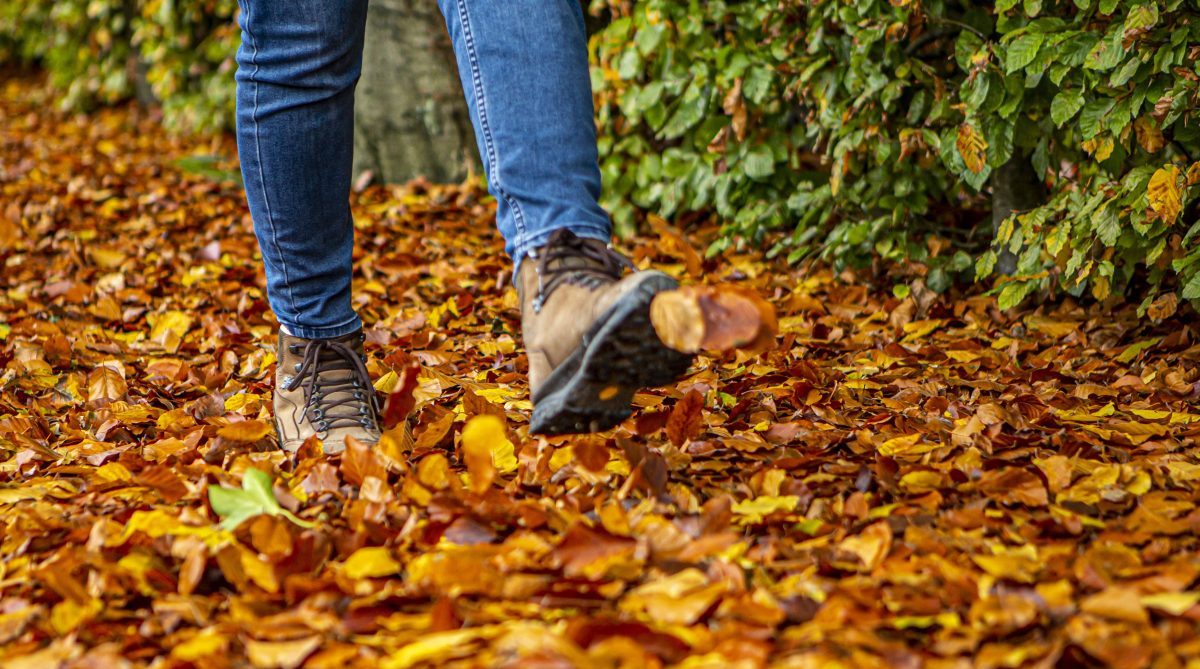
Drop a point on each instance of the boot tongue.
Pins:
(568, 258)
(338, 389)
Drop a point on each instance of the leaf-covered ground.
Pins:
(917, 482)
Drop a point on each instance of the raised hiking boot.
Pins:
(588, 335)
(322, 388)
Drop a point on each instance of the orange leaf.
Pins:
(247, 431)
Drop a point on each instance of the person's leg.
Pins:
(297, 68)
(523, 66)
(586, 329)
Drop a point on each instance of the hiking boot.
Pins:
(322, 388)
(588, 335)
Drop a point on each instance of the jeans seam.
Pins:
(262, 181)
(464, 20)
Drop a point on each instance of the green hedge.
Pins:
(866, 128)
(178, 52)
(843, 129)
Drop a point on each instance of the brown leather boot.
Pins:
(588, 335)
(322, 387)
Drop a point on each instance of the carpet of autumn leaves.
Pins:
(917, 482)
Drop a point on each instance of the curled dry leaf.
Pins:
(714, 318)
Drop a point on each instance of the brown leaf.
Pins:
(359, 461)
(583, 550)
(717, 319)
(686, 418)
(106, 383)
(400, 401)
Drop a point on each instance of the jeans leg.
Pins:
(523, 65)
(297, 68)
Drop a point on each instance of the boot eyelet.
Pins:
(296, 367)
(318, 414)
(294, 349)
(367, 424)
(323, 426)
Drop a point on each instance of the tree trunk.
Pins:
(1015, 187)
(410, 117)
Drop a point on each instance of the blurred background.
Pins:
(1042, 147)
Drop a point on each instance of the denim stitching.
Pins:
(258, 158)
(481, 106)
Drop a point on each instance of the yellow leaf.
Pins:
(1163, 193)
(374, 287)
(107, 258)
(246, 431)
(239, 401)
(678, 599)
(387, 382)
(281, 654)
(486, 434)
(206, 643)
(432, 648)
(921, 481)
(370, 563)
(871, 545)
(169, 329)
(1174, 603)
(904, 444)
(754, 510)
(1050, 326)
(68, 614)
(972, 147)
(919, 329)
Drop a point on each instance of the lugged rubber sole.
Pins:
(592, 389)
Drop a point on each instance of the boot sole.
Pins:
(591, 391)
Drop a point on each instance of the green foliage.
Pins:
(180, 52)
(254, 498)
(874, 128)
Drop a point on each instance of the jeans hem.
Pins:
(332, 332)
(526, 243)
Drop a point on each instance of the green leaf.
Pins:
(1092, 116)
(985, 265)
(1141, 17)
(1191, 290)
(1106, 54)
(938, 280)
(1107, 226)
(759, 163)
(1022, 51)
(255, 498)
(1134, 350)
(1066, 105)
(1123, 75)
(1013, 293)
(965, 47)
(757, 84)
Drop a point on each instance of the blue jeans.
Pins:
(523, 66)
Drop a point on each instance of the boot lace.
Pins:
(337, 387)
(570, 259)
